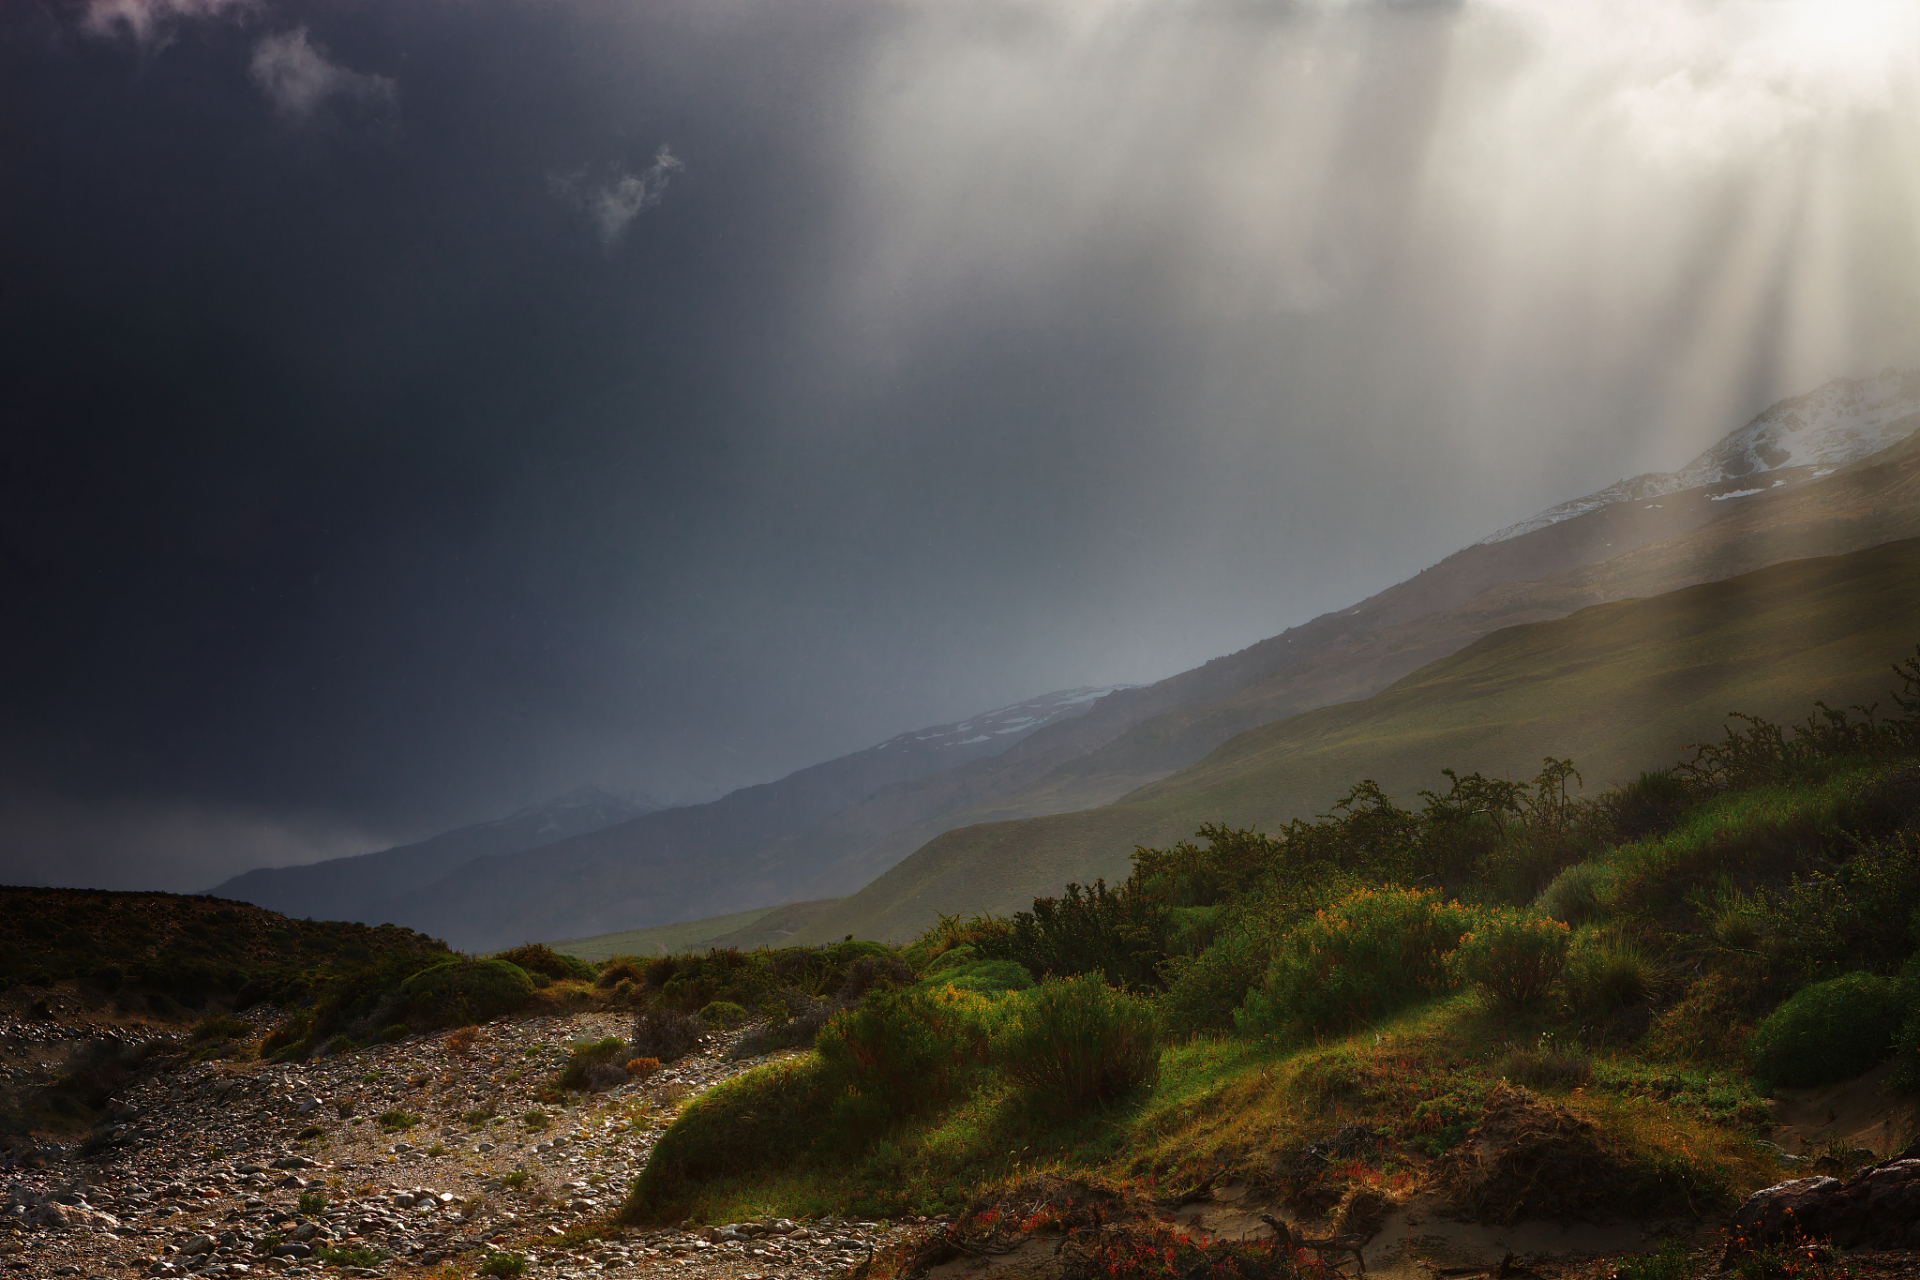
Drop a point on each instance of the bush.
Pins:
(396, 1121)
(312, 1204)
(289, 1032)
(1517, 957)
(984, 977)
(641, 1068)
(342, 1044)
(460, 992)
(899, 1052)
(1078, 1041)
(1368, 954)
(1578, 894)
(538, 957)
(586, 1065)
(666, 1034)
(722, 1015)
(1605, 973)
(220, 1028)
(509, 1265)
(621, 969)
(1829, 1031)
(763, 1118)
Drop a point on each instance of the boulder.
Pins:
(1878, 1208)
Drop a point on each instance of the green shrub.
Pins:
(349, 1255)
(1829, 1031)
(1606, 972)
(515, 1180)
(766, 1117)
(393, 1034)
(1517, 957)
(460, 992)
(508, 1265)
(585, 1057)
(538, 957)
(220, 1028)
(342, 1044)
(723, 1015)
(289, 1032)
(1077, 1041)
(899, 1052)
(1368, 954)
(984, 977)
(1578, 894)
(396, 1121)
(621, 969)
(1857, 914)
(666, 1034)
(312, 1204)
(534, 1120)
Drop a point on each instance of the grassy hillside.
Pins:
(1618, 687)
(1615, 553)
(1496, 1007)
(184, 947)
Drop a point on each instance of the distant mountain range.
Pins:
(1830, 472)
(479, 886)
(359, 888)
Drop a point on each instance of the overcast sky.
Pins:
(411, 409)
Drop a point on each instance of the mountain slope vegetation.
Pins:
(1616, 687)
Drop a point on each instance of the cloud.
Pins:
(143, 20)
(176, 846)
(611, 206)
(296, 75)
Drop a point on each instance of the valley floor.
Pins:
(210, 1170)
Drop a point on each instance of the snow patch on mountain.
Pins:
(1841, 422)
(1021, 717)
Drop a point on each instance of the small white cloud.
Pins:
(298, 78)
(612, 205)
(143, 20)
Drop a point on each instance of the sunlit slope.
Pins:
(1618, 687)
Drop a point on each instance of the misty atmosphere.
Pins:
(416, 412)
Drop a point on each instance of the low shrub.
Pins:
(287, 1033)
(587, 1061)
(349, 1255)
(899, 1052)
(621, 969)
(1369, 953)
(641, 1068)
(1608, 972)
(984, 977)
(342, 1044)
(220, 1028)
(1546, 1066)
(538, 957)
(462, 992)
(666, 1034)
(1578, 894)
(1517, 957)
(1077, 1041)
(722, 1015)
(396, 1121)
(763, 1118)
(508, 1265)
(311, 1204)
(534, 1120)
(1829, 1031)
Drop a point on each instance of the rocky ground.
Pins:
(422, 1156)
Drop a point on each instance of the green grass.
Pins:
(1618, 687)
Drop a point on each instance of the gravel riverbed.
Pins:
(205, 1166)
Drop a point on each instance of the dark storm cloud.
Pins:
(417, 409)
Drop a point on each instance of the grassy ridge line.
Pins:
(1618, 687)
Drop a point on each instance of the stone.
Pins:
(193, 1246)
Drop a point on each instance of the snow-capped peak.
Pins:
(1021, 718)
(1841, 422)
